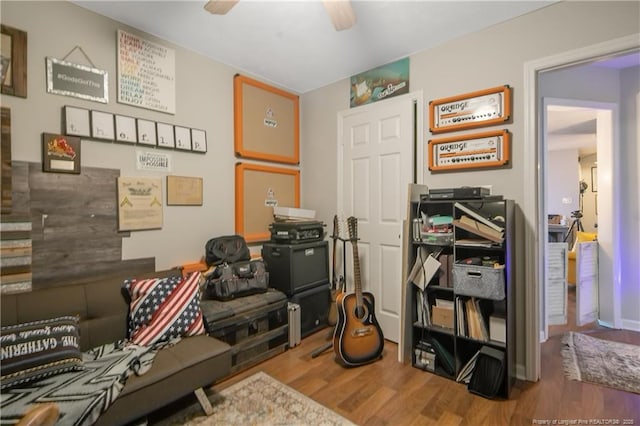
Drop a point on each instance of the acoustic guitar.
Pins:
(336, 282)
(357, 338)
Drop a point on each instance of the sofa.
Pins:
(189, 365)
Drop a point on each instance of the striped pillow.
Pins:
(34, 350)
(162, 309)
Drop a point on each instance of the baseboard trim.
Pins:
(521, 372)
(633, 325)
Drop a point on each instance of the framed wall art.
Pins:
(183, 138)
(258, 190)
(184, 191)
(471, 151)
(139, 203)
(76, 121)
(102, 125)
(125, 129)
(475, 109)
(266, 122)
(60, 153)
(13, 60)
(166, 137)
(198, 140)
(146, 132)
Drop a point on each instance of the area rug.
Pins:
(262, 400)
(602, 362)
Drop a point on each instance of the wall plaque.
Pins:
(69, 79)
(146, 74)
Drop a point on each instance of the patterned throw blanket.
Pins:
(82, 395)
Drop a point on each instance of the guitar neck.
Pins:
(353, 236)
(357, 285)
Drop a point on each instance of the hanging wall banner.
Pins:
(79, 81)
(146, 74)
(380, 83)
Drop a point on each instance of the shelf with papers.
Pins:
(484, 239)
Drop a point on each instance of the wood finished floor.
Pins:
(390, 393)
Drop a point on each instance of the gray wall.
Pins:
(204, 100)
(562, 182)
(630, 232)
(488, 58)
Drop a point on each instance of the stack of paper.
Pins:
(424, 269)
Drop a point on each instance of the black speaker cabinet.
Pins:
(296, 267)
(314, 308)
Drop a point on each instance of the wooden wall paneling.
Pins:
(74, 225)
(15, 254)
(73, 219)
(5, 159)
(120, 268)
(20, 197)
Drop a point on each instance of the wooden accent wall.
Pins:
(5, 159)
(73, 225)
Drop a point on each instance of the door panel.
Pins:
(377, 164)
(586, 282)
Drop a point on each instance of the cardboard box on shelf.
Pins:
(442, 316)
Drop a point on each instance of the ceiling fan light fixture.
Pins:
(219, 7)
(341, 13)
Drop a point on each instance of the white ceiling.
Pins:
(292, 44)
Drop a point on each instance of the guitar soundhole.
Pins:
(361, 312)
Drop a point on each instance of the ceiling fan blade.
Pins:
(219, 7)
(341, 13)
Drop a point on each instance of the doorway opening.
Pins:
(535, 232)
(572, 132)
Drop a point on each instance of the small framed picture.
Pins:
(146, 132)
(125, 129)
(60, 153)
(198, 140)
(183, 138)
(76, 121)
(102, 125)
(165, 135)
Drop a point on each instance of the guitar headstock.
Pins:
(336, 227)
(352, 224)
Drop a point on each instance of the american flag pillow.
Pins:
(162, 309)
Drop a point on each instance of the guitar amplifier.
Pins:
(296, 232)
(314, 308)
(296, 267)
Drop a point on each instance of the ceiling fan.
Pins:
(340, 11)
